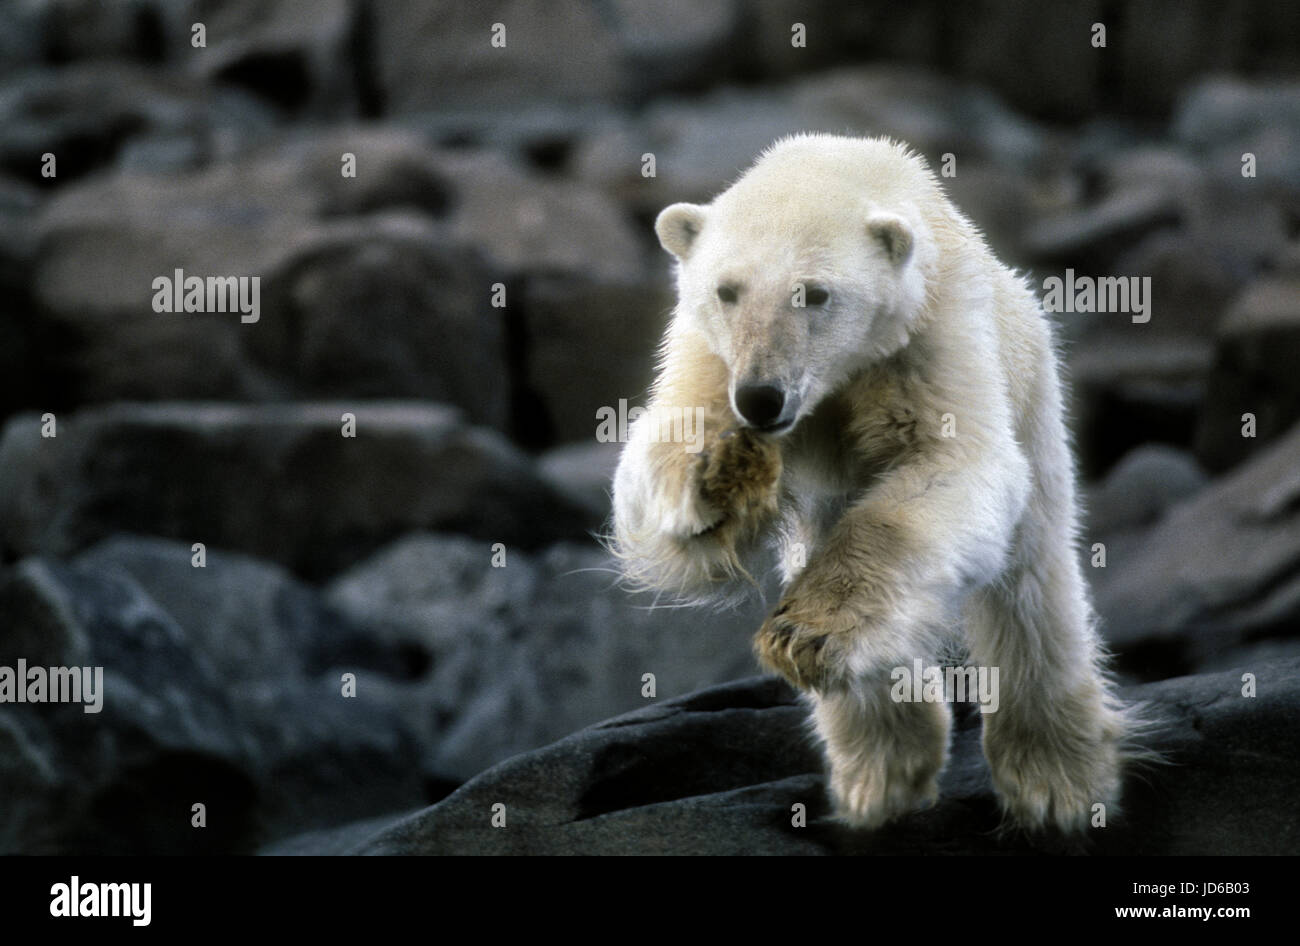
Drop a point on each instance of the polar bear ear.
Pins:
(894, 235)
(678, 226)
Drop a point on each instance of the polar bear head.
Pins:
(806, 270)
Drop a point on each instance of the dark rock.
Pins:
(1159, 213)
(583, 471)
(677, 45)
(458, 665)
(701, 144)
(1258, 347)
(22, 32)
(1216, 571)
(590, 346)
(540, 58)
(363, 291)
(166, 732)
(999, 202)
(1131, 386)
(278, 481)
(381, 308)
(1080, 233)
(1193, 279)
(88, 114)
(528, 224)
(330, 841)
(719, 771)
(523, 653)
(831, 30)
(68, 31)
(246, 617)
(626, 52)
(235, 702)
(24, 381)
(1040, 57)
(1158, 49)
(297, 55)
(1227, 111)
(1141, 488)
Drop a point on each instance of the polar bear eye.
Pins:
(727, 294)
(816, 295)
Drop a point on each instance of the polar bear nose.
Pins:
(760, 404)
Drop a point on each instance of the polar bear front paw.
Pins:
(807, 646)
(738, 476)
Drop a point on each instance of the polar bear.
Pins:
(881, 399)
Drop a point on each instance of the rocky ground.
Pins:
(729, 770)
(374, 555)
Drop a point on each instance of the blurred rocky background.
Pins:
(523, 166)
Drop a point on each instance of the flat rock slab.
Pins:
(719, 771)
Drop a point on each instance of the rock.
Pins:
(298, 55)
(1160, 169)
(235, 702)
(541, 136)
(1225, 110)
(332, 841)
(535, 647)
(1258, 347)
(31, 778)
(89, 114)
(1249, 656)
(1217, 569)
(1040, 58)
(701, 144)
(677, 45)
(64, 31)
(1150, 84)
(383, 308)
(719, 771)
(590, 346)
(531, 225)
(21, 37)
(458, 665)
(536, 57)
(24, 381)
(248, 618)
(1131, 386)
(698, 146)
(726, 757)
(584, 471)
(999, 202)
(586, 51)
(1157, 212)
(832, 32)
(1100, 229)
(1246, 133)
(1192, 279)
(930, 112)
(166, 730)
(277, 481)
(364, 291)
(1123, 197)
(1142, 487)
